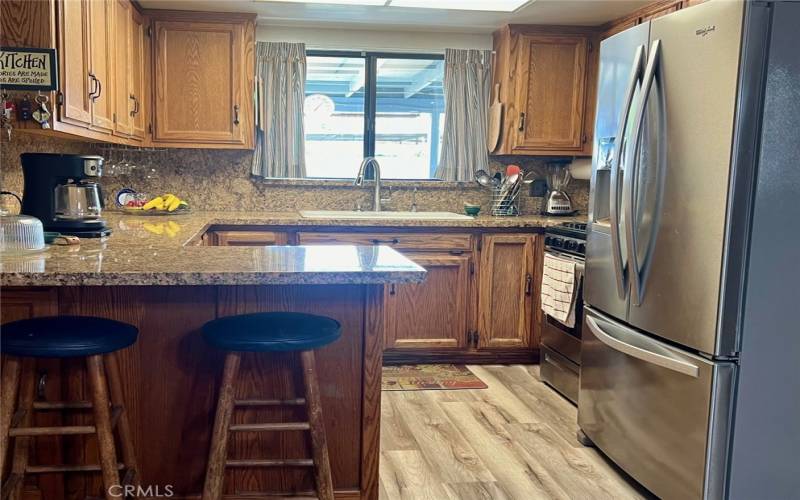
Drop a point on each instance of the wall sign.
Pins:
(28, 69)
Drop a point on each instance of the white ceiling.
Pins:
(574, 12)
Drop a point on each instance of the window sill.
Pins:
(348, 183)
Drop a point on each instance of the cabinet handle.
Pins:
(236, 114)
(393, 241)
(94, 86)
(135, 105)
(521, 122)
(392, 289)
(99, 88)
(528, 284)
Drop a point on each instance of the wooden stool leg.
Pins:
(215, 469)
(22, 444)
(8, 402)
(102, 422)
(319, 443)
(123, 425)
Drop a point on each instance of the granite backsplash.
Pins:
(220, 180)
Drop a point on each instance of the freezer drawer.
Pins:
(658, 412)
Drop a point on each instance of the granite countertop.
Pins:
(145, 250)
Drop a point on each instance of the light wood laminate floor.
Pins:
(514, 440)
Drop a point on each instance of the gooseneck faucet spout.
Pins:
(362, 172)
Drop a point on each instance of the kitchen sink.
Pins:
(367, 215)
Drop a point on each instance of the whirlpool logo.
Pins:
(705, 31)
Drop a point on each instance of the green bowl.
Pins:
(472, 210)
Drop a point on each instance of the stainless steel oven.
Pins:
(560, 348)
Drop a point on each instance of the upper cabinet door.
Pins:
(73, 23)
(123, 69)
(201, 94)
(101, 68)
(550, 92)
(139, 74)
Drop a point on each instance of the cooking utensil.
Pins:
(483, 178)
(513, 169)
(495, 121)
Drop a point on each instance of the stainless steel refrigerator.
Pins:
(687, 132)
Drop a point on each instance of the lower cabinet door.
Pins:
(507, 287)
(433, 314)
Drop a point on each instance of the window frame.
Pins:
(371, 84)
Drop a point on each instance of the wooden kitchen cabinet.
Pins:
(236, 238)
(123, 67)
(433, 314)
(101, 63)
(479, 301)
(73, 63)
(547, 84)
(550, 92)
(203, 80)
(139, 75)
(507, 291)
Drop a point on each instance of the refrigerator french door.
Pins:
(659, 363)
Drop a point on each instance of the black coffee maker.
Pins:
(62, 191)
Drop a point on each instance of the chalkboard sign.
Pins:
(28, 69)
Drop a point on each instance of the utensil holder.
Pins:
(505, 200)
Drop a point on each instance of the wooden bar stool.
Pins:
(95, 339)
(269, 332)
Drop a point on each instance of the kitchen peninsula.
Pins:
(171, 377)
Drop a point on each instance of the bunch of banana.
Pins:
(168, 202)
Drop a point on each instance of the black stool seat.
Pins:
(65, 336)
(271, 331)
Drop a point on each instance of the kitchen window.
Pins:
(390, 106)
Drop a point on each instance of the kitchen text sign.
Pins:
(28, 69)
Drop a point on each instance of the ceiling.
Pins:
(574, 12)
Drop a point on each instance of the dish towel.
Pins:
(560, 283)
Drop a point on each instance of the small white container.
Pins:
(20, 234)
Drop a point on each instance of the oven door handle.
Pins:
(647, 350)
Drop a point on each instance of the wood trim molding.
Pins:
(371, 391)
(211, 17)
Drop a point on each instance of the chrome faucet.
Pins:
(362, 171)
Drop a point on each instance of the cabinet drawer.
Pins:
(401, 241)
(248, 238)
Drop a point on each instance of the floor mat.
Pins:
(429, 377)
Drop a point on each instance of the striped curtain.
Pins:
(467, 81)
(280, 94)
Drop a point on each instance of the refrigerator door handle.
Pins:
(637, 290)
(614, 205)
(646, 350)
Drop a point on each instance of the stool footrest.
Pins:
(270, 402)
(289, 426)
(52, 431)
(10, 484)
(289, 462)
(62, 405)
(53, 469)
